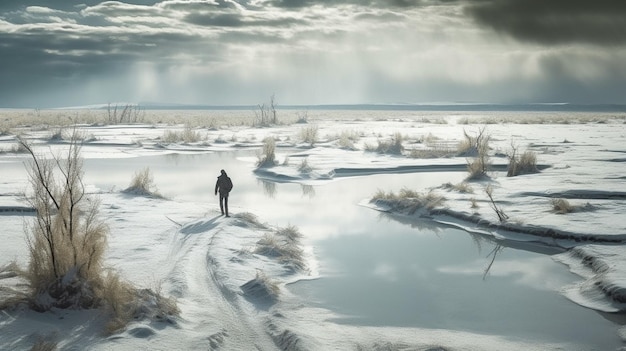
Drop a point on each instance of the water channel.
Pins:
(376, 270)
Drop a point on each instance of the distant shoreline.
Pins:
(539, 107)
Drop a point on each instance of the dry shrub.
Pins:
(262, 287)
(474, 203)
(125, 303)
(391, 147)
(477, 146)
(11, 294)
(434, 150)
(347, 140)
(187, 135)
(463, 187)
(309, 135)
(118, 296)
(67, 239)
(409, 200)
(247, 218)
(268, 157)
(304, 166)
(524, 164)
(143, 184)
(284, 245)
(561, 206)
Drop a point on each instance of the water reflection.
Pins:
(269, 188)
(307, 190)
(414, 278)
(494, 252)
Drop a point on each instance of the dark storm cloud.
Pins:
(601, 22)
(364, 3)
(237, 20)
(220, 20)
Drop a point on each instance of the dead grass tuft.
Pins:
(268, 156)
(408, 200)
(308, 135)
(476, 146)
(143, 184)
(524, 164)
(262, 287)
(463, 187)
(249, 218)
(391, 147)
(304, 166)
(187, 135)
(347, 139)
(561, 206)
(284, 245)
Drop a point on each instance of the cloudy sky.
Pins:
(57, 53)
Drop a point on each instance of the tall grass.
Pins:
(268, 156)
(393, 146)
(262, 287)
(284, 245)
(524, 164)
(476, 146)
(308, 134)
(304, 166)
(142, 184)
(187, 135)
(407, 200)
(347, 139)
(561, 206)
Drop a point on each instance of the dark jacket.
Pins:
(224, 185)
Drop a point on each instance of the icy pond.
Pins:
(376, 270)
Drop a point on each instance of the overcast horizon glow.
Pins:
(65, 53)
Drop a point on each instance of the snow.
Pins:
(209, 263)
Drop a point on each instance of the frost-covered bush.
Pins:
(561, 206)
(308, 135)
(268, 156)
(143, 184)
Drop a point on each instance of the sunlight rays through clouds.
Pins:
(312, 51)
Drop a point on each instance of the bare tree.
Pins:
(67, 238)
(266, 114)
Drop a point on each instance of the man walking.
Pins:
(224, 185)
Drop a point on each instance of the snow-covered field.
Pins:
(211, 264)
